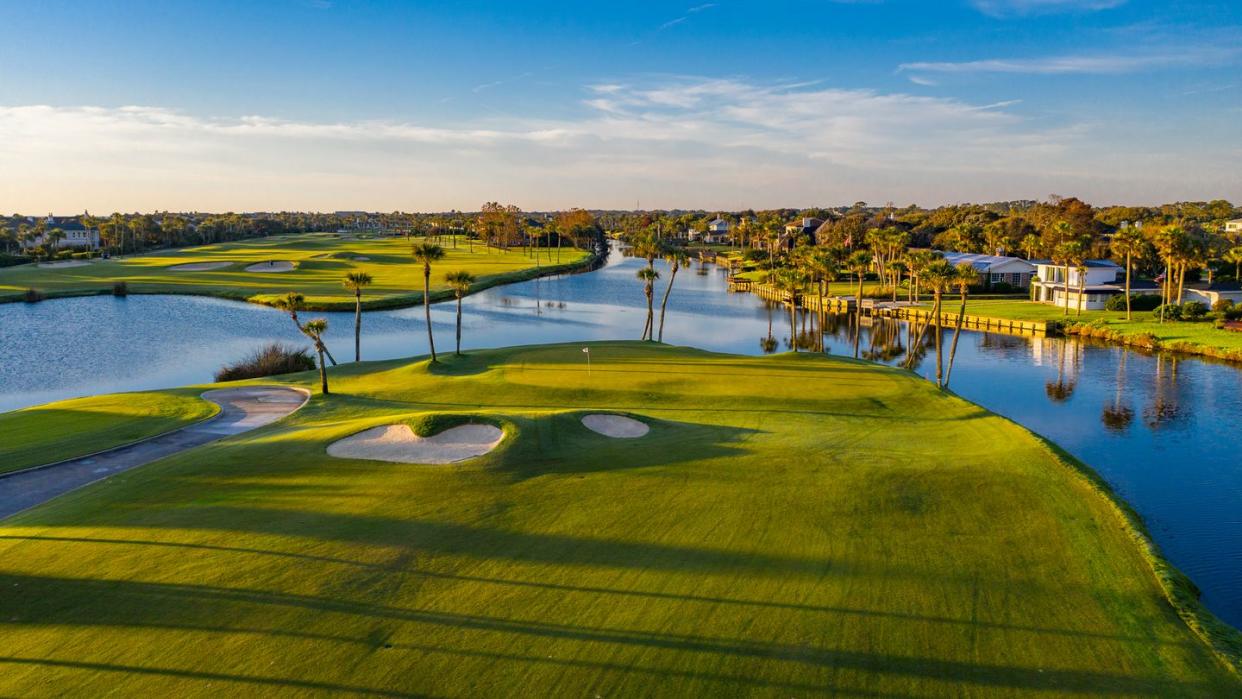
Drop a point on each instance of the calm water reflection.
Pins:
(1164, 432)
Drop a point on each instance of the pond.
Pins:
(1163, 431)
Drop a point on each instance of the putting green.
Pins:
(790, 525)
(312, 264)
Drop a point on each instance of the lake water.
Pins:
(1163, 431)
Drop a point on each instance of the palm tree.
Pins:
(859, 263)
(355, 282)
(964, 277)
(460, 283)
(676, 258)
(1031, 245)
(1069, 253)
(426, 253)
(315, 330)
(648, 277)
(790, 281)
(1128, 243)
(1234, 255)
(937, 276)
(291, 303)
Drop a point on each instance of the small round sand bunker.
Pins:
(616, 426)
(199, 266)
(398, 444)
(271, 266)
(64, 263)
(362, 258)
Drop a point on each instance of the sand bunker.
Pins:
(271, 266)
(362, 258)
(616, 426)
(64, 263)
(200, 266)
(399, 444)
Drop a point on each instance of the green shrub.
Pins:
(83, 255)
(33, 296)
(63, 255)
(1170, 311)
(1141, 302)
(120, 289)
(1222, 305)
(269, 360)
(1194, 310)
(7, 260)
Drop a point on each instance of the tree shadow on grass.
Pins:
(53, 601)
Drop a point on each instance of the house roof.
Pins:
(1100, 264)
(982, 263)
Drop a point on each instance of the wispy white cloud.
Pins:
(686, 17)
(1012, 8)
(1114, 63)
(671, 141)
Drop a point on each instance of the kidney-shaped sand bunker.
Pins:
(399, 444)
(615, 426)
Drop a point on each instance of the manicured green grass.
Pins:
(792, 525)
(321, 259)
(1186, 336)
(64, 430)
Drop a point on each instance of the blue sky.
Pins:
(317, 104)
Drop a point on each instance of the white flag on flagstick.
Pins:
(586, 349)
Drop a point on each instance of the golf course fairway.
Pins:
(312, 264)
(791, 525)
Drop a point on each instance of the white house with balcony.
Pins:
(1234, 226)
(1102, 279)
(996, 269)
(75, 235)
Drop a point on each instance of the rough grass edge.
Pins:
(1223, 640)
(1148, 341)
(216, 410)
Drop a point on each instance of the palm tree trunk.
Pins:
(957, 330)
(1066, 299)
(459, 325)
(323, 370)
(431, 340)
(664, 303)
(1082, 286)
(358, 326)
(1129, 316)
(939, 353)
(1181, 282)
(793, 321)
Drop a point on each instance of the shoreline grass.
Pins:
(321, 260)
(791, 524)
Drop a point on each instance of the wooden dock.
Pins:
(1025, 328)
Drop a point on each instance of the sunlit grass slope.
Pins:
(792, 525)
(321, 260)
(71, 428)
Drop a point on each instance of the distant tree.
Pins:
(1128, 244)
(859, 263)
(460, 283)
(356, 282)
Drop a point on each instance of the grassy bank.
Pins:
(72, 428)
(791, 525)
(320, 261)
(1200, 338)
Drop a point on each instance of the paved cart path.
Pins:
(241, 410)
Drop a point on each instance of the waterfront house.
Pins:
(1209, 294)
(1102, 279)
(77, 236)
(996, 269)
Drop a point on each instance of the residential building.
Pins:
(76, 235)
(1234, 226)
(1102, 279)
(1209, 294)
(996, 269)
